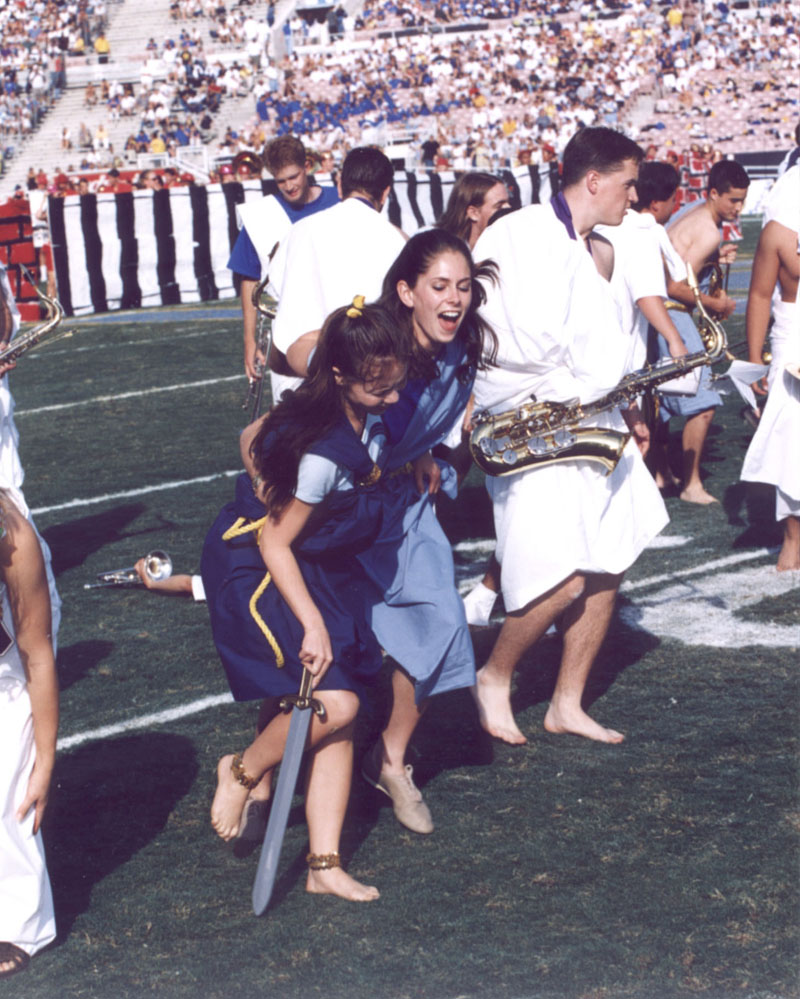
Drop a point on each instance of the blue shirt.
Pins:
(244, 259)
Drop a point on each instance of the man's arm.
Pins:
(249, 325)
(655, 312)
(763, 279)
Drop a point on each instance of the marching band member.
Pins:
(28, 729)
(339, 253)
(317, 456)
(696, 234)
(432, 291)
(266, 222)
(566, 533)
(774, 452)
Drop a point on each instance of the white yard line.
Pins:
(184, 710)
(177, 334)
(719, 563)
(128, 395)
(145, 721)
(127, 493)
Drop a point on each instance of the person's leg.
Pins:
(658, 457)
(480, 601)
(695, 432)
(265, 752)
(585, 624)
(327, 793)
(519, 632)
(385, 765)
(403, 719)
(789, 556)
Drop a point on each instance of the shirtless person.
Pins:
(696, 234)
(566, 532)
(773, 453)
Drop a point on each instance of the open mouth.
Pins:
(450, 319)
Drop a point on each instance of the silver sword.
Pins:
(302, 705)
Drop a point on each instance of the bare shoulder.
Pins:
(696, 221)
(20, 552)
(602, 254)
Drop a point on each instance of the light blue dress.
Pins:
(420, 620)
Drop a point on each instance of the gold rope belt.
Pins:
(244, 526)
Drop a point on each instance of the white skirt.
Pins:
(26, 902)
(553, 521)
(774, 453)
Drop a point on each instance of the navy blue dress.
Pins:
(346, 524)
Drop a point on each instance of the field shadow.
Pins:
(73, 541)
(469, 516)
(110, 799)
(751, 505)
(538, 671)
(78, 659)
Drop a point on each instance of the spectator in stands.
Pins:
(102, 47)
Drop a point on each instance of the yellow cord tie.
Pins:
(244, 526)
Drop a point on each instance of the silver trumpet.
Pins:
(157, 567)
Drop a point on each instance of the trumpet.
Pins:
(266, 313)
(157, 567)
(33, 337)
(546, 433)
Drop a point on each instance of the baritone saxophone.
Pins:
(47, 329)
(537, 434)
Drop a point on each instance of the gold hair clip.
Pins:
(355, 310)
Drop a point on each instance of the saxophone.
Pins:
(31, 338)
(266, 313)
(537, 434)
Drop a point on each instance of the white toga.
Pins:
(559, 338)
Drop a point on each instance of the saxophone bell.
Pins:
(31, 338)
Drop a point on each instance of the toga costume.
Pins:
(331, 258)
(337, 475)
(774, 452)
(559, 338)
(26, 902)
(418, 615)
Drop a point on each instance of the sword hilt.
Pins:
(303, 699)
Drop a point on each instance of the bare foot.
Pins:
(263, 790)
(789, 557)
(229, 801)
(579, 723)
(494, 709)
(666, 482)
(697, 494)
(336, 881)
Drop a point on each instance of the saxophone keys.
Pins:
(510, 457)
(563, 438)
(537, 446)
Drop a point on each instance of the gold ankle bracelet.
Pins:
(238, 771)
(323, 861)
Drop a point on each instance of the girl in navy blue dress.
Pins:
(291, 594)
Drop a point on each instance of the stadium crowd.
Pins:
(37, 40)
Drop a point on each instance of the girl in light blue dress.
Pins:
(418, 615)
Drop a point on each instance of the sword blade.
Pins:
(281, 806)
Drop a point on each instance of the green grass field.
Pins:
(664, 867)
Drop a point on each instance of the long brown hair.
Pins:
(416, 257)
(469, 191)
(351, 343)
